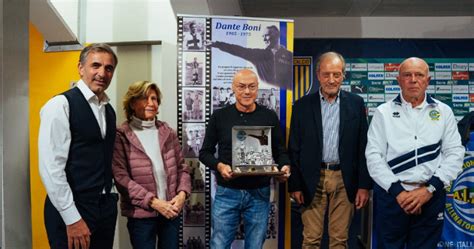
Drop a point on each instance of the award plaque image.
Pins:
(252, 151)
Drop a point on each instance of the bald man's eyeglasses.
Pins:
(242, 87)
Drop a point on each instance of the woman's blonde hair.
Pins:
(137, 90)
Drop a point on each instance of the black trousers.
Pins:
(395, 229)
(98, 211)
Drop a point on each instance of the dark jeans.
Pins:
(98, 211)
(143, 232)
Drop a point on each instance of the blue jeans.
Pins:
(143, 232)
(253, 205)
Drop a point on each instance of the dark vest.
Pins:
(89, 163)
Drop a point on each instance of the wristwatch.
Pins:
(430, 188)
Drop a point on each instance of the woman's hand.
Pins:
(165, 208)
(178, 200)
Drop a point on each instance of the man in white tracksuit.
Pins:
(413, 151)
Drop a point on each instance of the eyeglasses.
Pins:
(242, 87)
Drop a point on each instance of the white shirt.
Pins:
(412, 145)
(148, 135)
(53, 148)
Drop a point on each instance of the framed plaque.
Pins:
(252, 151)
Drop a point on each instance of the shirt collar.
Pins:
(321, 96)
(90, 95)
(427, 101)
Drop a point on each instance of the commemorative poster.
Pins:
(452, 82)
(211, 49)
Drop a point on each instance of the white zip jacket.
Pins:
(418, 145)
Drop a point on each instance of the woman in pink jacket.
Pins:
(149, 171)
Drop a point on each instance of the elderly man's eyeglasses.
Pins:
(242, 87)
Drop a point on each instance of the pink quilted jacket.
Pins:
(133, 171)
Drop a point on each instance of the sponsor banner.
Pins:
(377, 97)
(391, 75)
(471, 97)
(389, 82)
(391, 67)
(460, 75)
(375, 67)
(460, 89)
(392, 89)
(443, 75)
(460, 66)
(471, 88)
(443, 88)
(471, 66)
(442, 66)
(458, 230)
(358, 67)
(432, 75)
(460, 97)
(375, 75)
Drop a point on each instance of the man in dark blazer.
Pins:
(328, 135)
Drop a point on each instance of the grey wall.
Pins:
(14, 159)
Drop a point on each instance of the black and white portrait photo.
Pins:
(193, 104)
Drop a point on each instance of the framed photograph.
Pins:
(193, 104)
(194, 210)
(194, 64)
(252, 151)
(193, 136)
(194, 33)
(197, 171)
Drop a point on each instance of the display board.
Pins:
(210, 50)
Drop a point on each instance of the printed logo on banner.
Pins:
(358, 89)
(460, 97)
(375, 67)
(460, 75)
(375, 89)
(376, 75)
(431, 67)
(348, 67)
(430, 89)
(445, 98)
(390, 96)
(460, 111)
(459, 66)
(363, 96)
(443, 75)
(443, 88)
(460, 89)
(392, 89)
(471, 66)
(371, 111)
(356, 82)
(442, 66)
(460, 201)
(356, 75)
(358, 67)
(346, 88)
(471, 97)
(391, 67)
(376, 97)
(391, 75)
(432, 75)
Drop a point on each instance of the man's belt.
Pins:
(331, 166)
